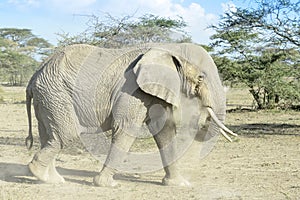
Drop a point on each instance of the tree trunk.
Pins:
(255, 94)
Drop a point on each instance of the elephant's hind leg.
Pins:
(38, 169)
(43, 163)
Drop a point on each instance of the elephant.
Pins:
(84, 87)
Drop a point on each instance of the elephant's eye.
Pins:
(201, 77)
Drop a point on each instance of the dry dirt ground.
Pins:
(262, 163)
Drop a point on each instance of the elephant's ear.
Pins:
(157, 75)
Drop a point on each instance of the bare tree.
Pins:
(116, 32)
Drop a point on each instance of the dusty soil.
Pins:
(262, 163)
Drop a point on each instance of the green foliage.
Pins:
(16, 35)
(112, 32)
(20, 54)
(255, 50)
(150, 20)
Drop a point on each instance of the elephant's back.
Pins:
(72, 65)
(86, 77)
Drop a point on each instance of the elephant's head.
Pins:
(168, 70)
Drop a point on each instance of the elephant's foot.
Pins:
(175, 181)
(39, 171)
(105, 178)
(54, 176)
(55, 179)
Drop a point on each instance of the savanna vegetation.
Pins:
(113, 32)
(257, 53)
(20, 54)
(262, 162)
(259, 47)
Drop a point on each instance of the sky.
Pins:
(46, 18)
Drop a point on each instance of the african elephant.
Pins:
(83, 86)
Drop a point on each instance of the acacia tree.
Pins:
(260, 48)
(20, 54)
(112, 32)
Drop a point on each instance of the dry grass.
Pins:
(239, 97)
(1, 95)
(262, 163)
(12, 94)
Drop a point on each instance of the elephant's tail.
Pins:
(29, 139)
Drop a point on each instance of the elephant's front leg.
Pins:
(129, 113)
(166, 142)
(121, 143)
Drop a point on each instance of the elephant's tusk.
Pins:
(225, 135)
(223, 128)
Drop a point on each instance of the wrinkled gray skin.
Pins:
(83, 86)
